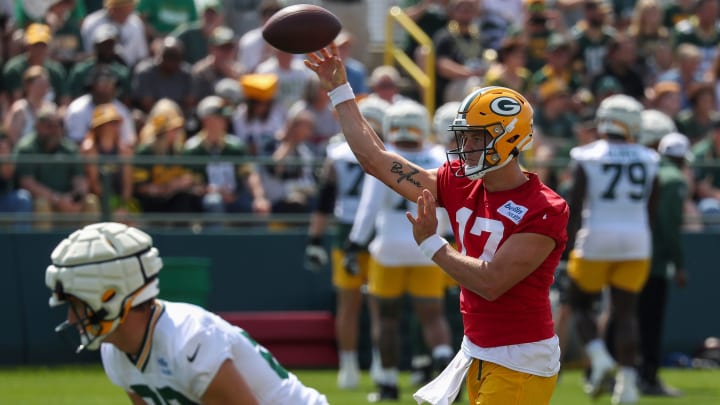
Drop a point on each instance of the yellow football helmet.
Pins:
(504, 117)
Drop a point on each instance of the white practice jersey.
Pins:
(615, 223)
(183, 350)
(349, 175)
(382, 210)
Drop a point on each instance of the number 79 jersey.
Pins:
(619, 181)
(183, 349)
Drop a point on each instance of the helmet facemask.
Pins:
(406, 122)
(495, 138)
(89, 324)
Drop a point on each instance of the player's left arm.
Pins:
(519, 256)
(228, 388)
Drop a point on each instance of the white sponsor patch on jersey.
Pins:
(512, 211)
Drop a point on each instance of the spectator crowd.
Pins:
(125, 81)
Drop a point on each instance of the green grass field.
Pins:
(78, 385)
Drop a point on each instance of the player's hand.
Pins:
(426, 223)
(328, 66)
(316, 258)
(351, 264)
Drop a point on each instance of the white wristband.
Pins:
(432, 244)
(340, 94)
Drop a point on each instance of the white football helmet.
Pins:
(373, 109)
(655, 124)
(406, 121)
(620, 115)
(444, 117)
(109, 268)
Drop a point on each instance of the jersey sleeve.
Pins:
(550, 219)
(442, 183)
(370, 199)
(201, 357)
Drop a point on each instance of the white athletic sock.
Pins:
(348, 359)
(388, 376)
(628, 375)
(375, 365)
(597, 351)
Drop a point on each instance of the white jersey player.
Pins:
(382, 212)
(341, 182)
(397, 266)
(158, 351)
(611, 202)
(619, 178)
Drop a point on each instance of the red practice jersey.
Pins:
(482, 221)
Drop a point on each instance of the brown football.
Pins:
(301, 28)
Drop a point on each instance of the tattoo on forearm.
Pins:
(397, 168)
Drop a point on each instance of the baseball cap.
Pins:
(229, 89)
(344, 37)
(663, 87)
(259, 86)
(211, 105)
(117, 3)
(165, 122)
(556, 41)
(103, 114)
(552, 87)
(221, 36)
(205, 5)
(104, 33)
(36, 33)
(608, 85)
(675, 145)
(48, 111)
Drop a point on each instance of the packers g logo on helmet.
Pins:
(505, 106)
(501, 115)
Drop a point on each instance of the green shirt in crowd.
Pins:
(15, 68)
(217, 172)
(703, 153)
(57, 176)
(194, 41)
(166, 15)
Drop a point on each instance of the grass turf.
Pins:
(85, 384)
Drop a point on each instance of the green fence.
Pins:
(262, 270)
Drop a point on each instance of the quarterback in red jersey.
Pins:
(510, 229)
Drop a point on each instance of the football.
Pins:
(301, 28)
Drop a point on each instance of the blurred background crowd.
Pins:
(127, 108)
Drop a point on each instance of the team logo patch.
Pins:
(512, 211)
(505, 106)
